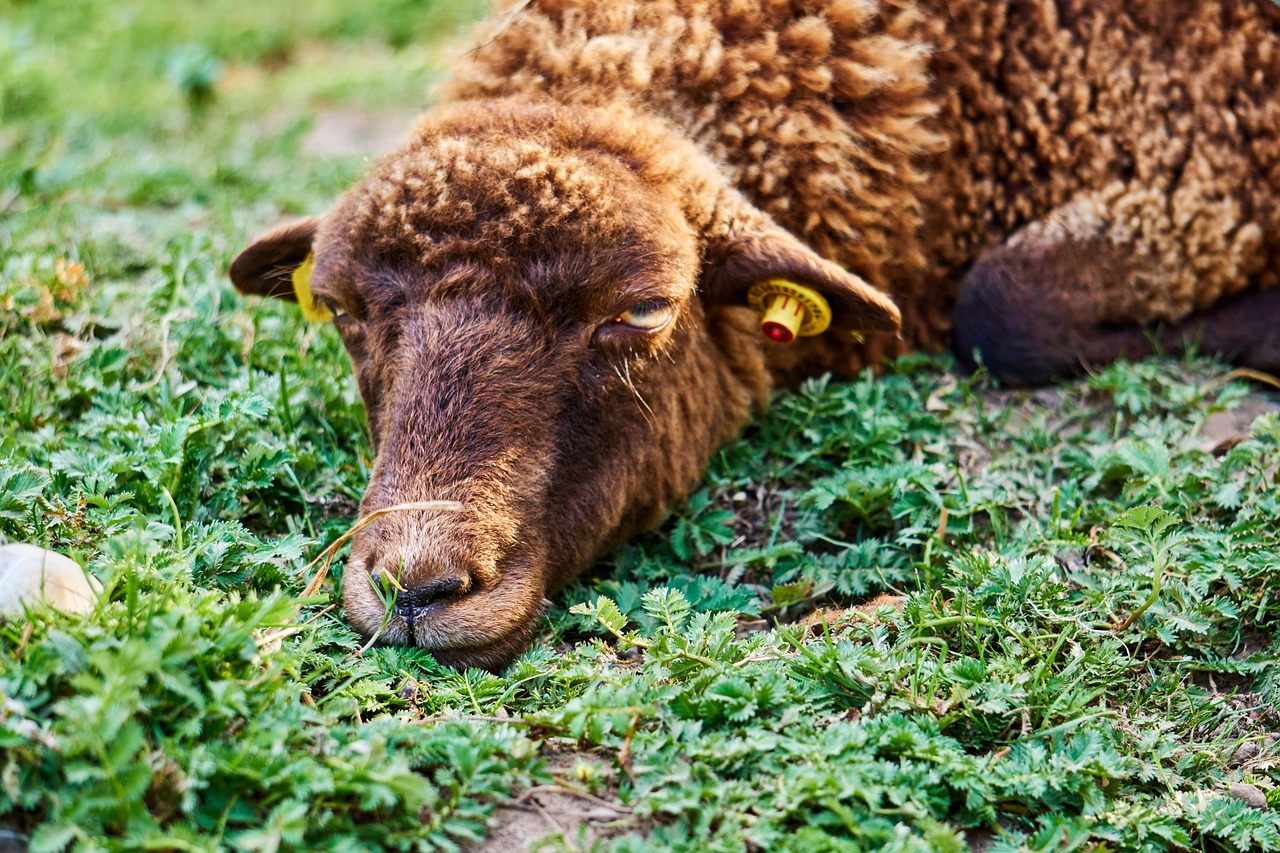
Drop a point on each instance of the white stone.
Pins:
(29, 574)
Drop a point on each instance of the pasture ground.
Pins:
(909, 612)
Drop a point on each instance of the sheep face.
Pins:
(545, 332)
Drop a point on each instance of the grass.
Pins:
(1078, 650)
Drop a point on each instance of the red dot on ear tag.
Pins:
(777, 332)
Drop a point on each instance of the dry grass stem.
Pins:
(1243, 373)
(364, 521)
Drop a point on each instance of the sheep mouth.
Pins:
(495, 655)
(492, 651)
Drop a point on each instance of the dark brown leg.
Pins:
(1037, 310)
(1244, 328)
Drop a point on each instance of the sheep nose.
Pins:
(413, 600)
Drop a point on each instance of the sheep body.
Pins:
(903, 139)
(544, 293)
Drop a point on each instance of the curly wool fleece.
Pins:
(901, 139)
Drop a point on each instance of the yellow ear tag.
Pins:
(312, 311)
(788, 310)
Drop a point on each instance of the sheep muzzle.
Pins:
(460, 412)
(440, 584)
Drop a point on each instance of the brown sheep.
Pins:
(544, 293)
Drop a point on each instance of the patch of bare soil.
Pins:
(563, 811)
(1224, 430)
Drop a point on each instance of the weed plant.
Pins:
(907, 612)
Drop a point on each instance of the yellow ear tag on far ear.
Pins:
(788, 310)
(312, 311)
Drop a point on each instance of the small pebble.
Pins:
(1248, 794)
(29, 574)
(1246, 753)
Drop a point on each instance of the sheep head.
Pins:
(545, 310)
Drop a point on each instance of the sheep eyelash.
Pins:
(335, 309)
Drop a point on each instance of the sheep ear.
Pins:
(265, 267)
(773, 253)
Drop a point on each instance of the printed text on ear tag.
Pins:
(788, 310)
(312, 311)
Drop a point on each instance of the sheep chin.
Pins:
(497, 652)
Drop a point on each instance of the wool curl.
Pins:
(902, 139)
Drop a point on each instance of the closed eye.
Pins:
(647, 316)
(334, 308)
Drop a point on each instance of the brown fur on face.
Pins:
(1061, 172)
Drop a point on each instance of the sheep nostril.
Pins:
(411, 601)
